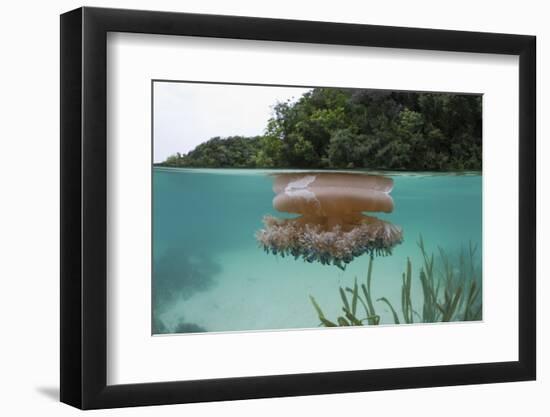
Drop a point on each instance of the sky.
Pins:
(187, 114)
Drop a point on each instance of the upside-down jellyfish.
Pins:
(332, 227)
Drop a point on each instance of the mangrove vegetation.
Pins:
(335, 128)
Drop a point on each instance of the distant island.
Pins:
(354, 129)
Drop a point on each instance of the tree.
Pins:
(348, 150)
(351, 128)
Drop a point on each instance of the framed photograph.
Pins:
(256, 208)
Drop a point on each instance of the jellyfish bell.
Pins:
(336, 179)
(333, 201)
(332, 227)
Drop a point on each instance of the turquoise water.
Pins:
(209, 274)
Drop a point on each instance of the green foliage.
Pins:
(270, 152)
(406, 303)
(348, 150)
(453, 293)
(351, 315)
(234, 151)
(351, 128)
(322, 318)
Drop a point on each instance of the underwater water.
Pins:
(210, 274)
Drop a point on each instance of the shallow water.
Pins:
(210, 274)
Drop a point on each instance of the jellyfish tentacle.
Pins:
(328, 245)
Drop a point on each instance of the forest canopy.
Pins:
(355, 129)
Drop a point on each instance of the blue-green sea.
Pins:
(209, 273)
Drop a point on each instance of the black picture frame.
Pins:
(84, 207)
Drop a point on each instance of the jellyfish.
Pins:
(332, 227)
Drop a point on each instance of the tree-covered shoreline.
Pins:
(333, 128)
